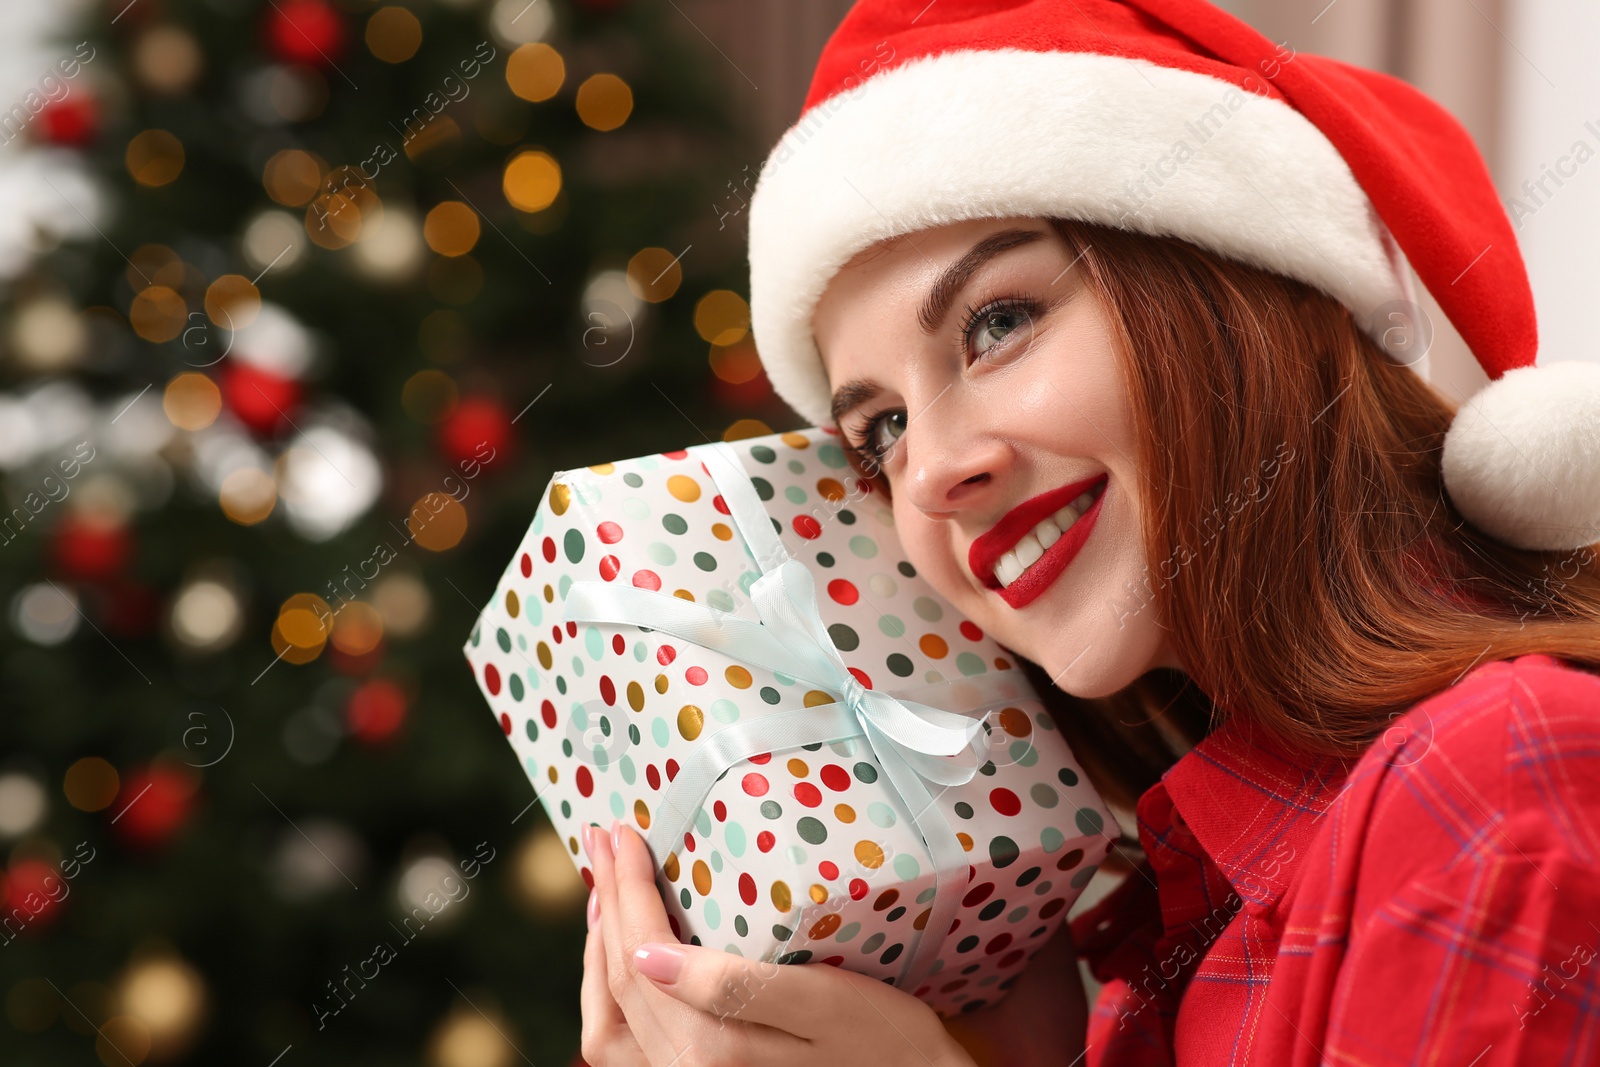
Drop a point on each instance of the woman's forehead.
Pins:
(904, 266)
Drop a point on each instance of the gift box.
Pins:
(725, 647)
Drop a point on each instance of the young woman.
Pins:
(1112, 302)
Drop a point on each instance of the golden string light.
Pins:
(154, 158)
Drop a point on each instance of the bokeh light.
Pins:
(515, 22)
(206, 615)
(48, 334)
(326, 479)
(278, 94)
(393, 34)
(122, 1040)
(441, 133)
(248, 495)
(532, 180)
(740, 429)
(451, 228)
(393, 250)
(23, 804)
(274, 341)
(357, 628)
(654, 274)
(403, 603)
(292, 176)
(429, 395)
(535, 71)
(32, 1005)
(167, 997)
(154, 158)
(158, 313)
(722, 317)
(232, 301)
(167, 59)
(437, 522)
(45, 613)
(91, 784)
(333, 220)
(274, 239)
(604, 101)
(544, 875)
(192, 401)
(153, 264)
(735, 364)
(468, 1039)
(302, 628)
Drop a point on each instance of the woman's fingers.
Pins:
(624, 867)
(656, 1031)
(794, 999)
(631, 911)
(606, 1039)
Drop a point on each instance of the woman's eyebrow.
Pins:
(956, 276)
(937, 305)
(850, 394)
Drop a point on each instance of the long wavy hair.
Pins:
(1303, 553)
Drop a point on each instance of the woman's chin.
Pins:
(1094, 666)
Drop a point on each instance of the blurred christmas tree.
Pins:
(303, 303)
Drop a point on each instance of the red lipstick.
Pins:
(1005, 534)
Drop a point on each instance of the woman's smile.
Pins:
(1023, 553)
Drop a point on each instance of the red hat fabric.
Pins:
(1173, 118)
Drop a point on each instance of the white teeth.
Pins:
(1007, 569)
(1026, 552)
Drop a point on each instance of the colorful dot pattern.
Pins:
(799, 856)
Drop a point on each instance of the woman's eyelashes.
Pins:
(865, 439)
(1006, 322)
(993, 327)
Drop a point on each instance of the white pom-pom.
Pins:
(1522, 459)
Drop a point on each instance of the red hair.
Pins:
(1302, 551)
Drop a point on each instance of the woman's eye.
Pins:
(988, 328)
(886, 429)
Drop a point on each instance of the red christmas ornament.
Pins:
(376, 711)
(153, 804)
(263, 401)
(305, 31)
(33, 892)
(478, 430)
(91, 549)
(73, 121)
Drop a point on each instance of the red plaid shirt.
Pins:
(1435, 902)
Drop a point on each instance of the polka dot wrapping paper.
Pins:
(805, 853)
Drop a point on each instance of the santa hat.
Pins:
(1173, 118)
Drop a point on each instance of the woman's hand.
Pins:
(650, 1001)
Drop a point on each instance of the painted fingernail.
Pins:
(594, 907)
(661, 962)
(588, 841)
(616, 835)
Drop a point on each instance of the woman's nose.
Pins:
(950, 464)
